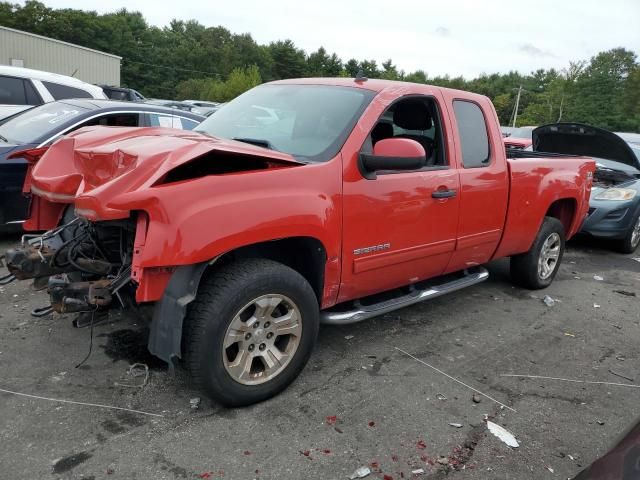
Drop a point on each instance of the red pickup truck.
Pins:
(300, 202)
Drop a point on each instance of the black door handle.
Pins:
(443, 193)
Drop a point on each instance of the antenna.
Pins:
(360, 76)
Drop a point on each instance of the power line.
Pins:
(172, 68)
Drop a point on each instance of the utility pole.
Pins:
(515, 112)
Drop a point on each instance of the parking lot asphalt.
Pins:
(392, 412)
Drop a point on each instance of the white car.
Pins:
(21, 88)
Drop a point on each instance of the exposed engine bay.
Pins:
(608, 177)
(85, 266)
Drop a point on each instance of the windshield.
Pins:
(310, 122)
(38, 123)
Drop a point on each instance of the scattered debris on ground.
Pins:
(456, 425)
(195, 403)
(502, 434)
(549, 301)
(361, 472)
(625, 293)
(598, 278)
(618, 374)
(540, 377)
(502, 405)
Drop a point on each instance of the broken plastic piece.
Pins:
(503, 434)
(548, 301)
(456, 425)
(194, 402)
(598, 278)
(361, 472)
(417, 471)
(595, 305)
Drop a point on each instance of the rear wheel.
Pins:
(537, 268)
(630, 243)
(250, 331)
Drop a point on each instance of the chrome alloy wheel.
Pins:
(635, 233)
(262, 339)
(549, 256)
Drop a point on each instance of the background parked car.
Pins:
(21, 88)
(187, 107)
(25, 134)
(614, 211)
(206, 108)
(122, 93)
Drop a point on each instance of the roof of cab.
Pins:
(373, 84)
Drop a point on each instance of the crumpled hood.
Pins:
(94, 157)
(584, 140)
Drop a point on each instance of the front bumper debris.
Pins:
(70, 297)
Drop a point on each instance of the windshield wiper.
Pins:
(4, 139)
(256, 141)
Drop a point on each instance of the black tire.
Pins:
(221, 296)
(524, 267)
(630, 242)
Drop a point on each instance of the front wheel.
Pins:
(250, 331)
(630, 243)
(537, 268)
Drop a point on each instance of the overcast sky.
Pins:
(455, 37)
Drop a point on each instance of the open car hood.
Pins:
(584, 140)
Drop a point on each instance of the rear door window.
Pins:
(116, 120)
(12, 91)
(170, 121)
(33, 97)
(472, 129)
(60, 92)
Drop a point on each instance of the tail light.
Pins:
(31, 155)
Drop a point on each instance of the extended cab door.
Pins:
(484, 180)
(396, 232)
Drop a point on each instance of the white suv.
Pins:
(21, 88)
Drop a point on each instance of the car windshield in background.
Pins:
(310, 122)
(524, 132)
(39, 122)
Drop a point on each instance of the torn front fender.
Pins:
(165, 338)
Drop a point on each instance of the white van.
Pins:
(21, 88)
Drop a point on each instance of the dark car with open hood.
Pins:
(614, 211)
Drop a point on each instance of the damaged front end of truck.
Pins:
(123, 210)
(84, 266)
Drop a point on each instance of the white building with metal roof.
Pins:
(23, 49)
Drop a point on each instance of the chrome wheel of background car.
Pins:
(549, 255)
(262, 339)
(635, 233)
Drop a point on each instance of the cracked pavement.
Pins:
(392, 413)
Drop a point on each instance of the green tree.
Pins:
(288, 61)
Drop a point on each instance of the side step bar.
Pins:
(360, 312)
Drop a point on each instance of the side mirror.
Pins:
(393, 154)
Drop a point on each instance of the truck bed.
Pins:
(531, 174)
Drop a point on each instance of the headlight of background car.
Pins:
(619, 194)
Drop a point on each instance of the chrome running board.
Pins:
(342, 314)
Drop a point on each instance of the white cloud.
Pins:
(457, 37)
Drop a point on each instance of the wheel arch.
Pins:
(564, 209)
(306, 255)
